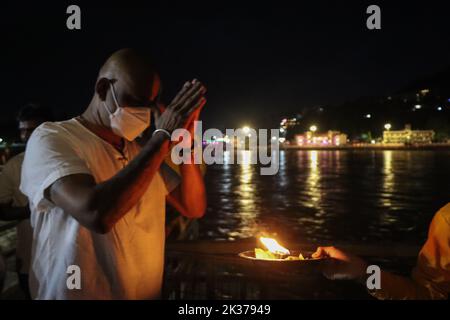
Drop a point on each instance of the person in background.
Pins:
(98, 197)
(430, 278)
(13, 204)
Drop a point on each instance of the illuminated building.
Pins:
(330, 138)
(408, 136)
(285, 125)
(288, 123)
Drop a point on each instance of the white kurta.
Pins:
(125, 263)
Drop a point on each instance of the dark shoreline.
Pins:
(428, 147)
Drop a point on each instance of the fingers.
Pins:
(318, 253)
(192, 116)
(186, 106)
(195, 112)
(161, 107)
(183, 91)
(322, 252)
(331, 267)
(198, 109)
(191, 97)
(156, 113)
(198, 106)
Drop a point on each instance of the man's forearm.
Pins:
(193, 193)
(116, 196)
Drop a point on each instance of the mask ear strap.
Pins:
(106, 107)
(113, 92)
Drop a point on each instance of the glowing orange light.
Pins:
(273, 246)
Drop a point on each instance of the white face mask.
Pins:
(128, 122)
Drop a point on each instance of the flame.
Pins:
(273, 246)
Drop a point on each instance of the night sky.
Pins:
(259, 60)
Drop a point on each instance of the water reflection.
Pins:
(246, 193)
(282, 178)
(313, 180)
(388, 179)
(329, 195)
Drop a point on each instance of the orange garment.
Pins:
(430, 278)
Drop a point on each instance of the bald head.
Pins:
(128, 65)
(133, 75)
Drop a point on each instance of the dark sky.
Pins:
(258, 59)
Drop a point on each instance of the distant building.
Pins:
(285, 125)
(288, 123)
(408, 136)
(330, 138)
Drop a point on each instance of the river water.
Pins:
(368, 196)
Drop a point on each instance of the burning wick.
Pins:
(274, 251)
(273, 246)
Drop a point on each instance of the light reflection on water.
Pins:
(368, 196)
(246, 195)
